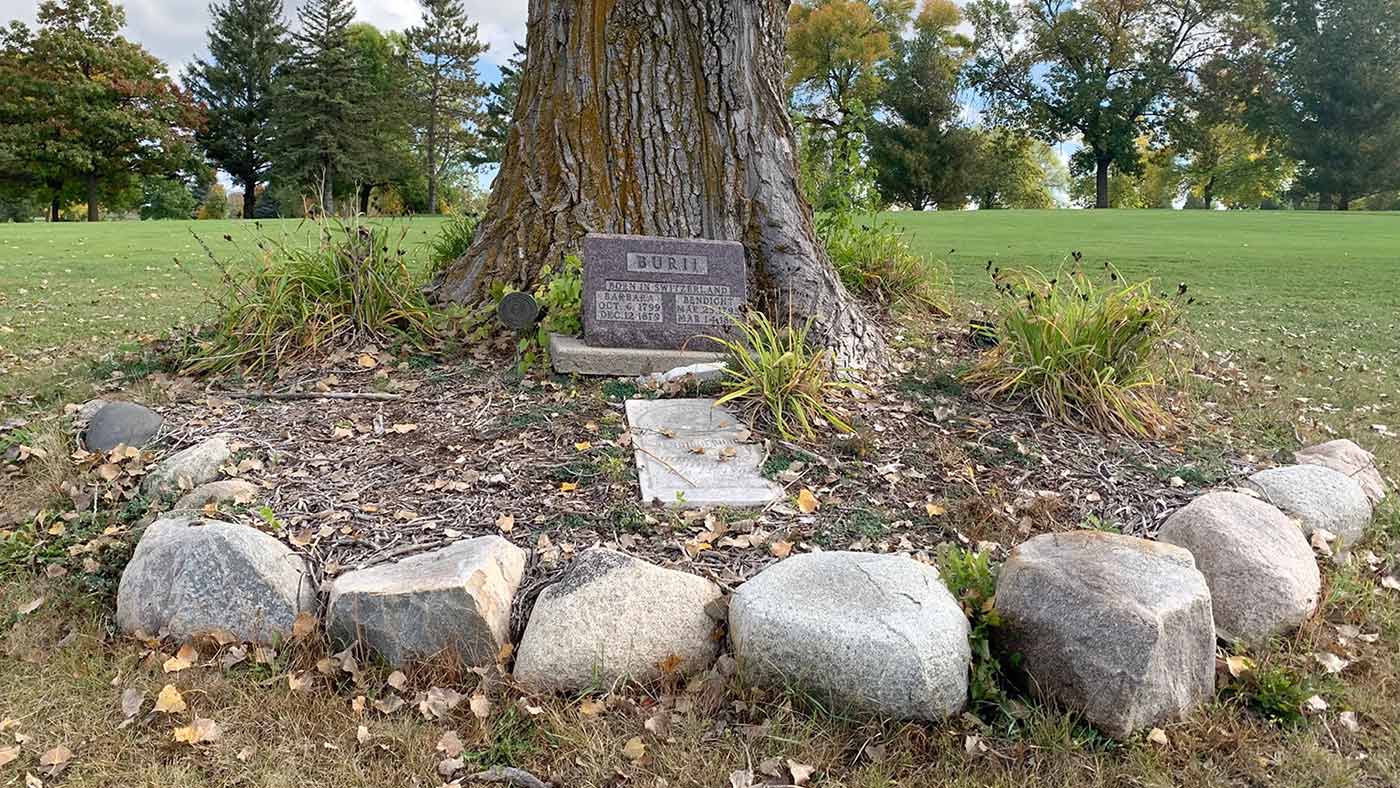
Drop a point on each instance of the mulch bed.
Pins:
(468, 449)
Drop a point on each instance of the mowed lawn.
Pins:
(71, 293)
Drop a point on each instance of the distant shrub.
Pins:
(875, 262)
(452, 241)
(350, 284)
(780, 380)
(1084, 355)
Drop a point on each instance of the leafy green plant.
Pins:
(1084, 355)
(560, 297)
(1276, 693)
(350, 284)
(781, 381)
(972, 579)
(452, 241)
(875, 261)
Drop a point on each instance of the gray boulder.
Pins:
(615, 618)
(1317, 497)
(1261, 571)
(191, 577)
(187, 469)
(106, 425)
(1343, 456)
(227, 491)
(455, 600)
(874, 633)
(1114, 627)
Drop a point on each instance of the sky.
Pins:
(173, 30)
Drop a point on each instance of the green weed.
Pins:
(972, 579)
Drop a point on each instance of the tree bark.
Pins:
(365, 190)
(1208, 194)
(1324, 201)
(250, 197)
(1343, 202)
(54, 209)
(667, 118)
(1101, 182)
(93, 214)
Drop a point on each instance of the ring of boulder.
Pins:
(1114, 627)
(191, 577)
(107, 425)
(1261, 571)
(873, 633)
(613, 618)
(188, 469)
(455, 600)
(1319, 498)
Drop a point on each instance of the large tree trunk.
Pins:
(250, 197)
(1101, 182)
(660, 117)
(54, 209)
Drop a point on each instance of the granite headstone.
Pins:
(649, 292)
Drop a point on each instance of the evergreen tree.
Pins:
(443, 80)
(247, 44)
(317, 90)
(500, 109)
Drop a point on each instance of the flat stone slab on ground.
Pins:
(118, 423)
(1114, 627)
(650, 292)
(570, 356)
(455, 600)
(1262, 575)
(611, 618)
(693, 454)
(193, 577)
(879, 634)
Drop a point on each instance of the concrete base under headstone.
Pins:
(571, 356)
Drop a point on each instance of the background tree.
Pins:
(247, 45)
(1012, 170)
(835, 49)
(500, 108)
(1334, 96)
(382, 152)
(93, 108)
(1105, 70)
(317, 119)
(443, 80)
(922, 151)
(660, 119)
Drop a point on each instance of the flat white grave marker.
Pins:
(691, 454)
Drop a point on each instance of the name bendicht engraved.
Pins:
(626, 307)
(647, 263)
(699, 310)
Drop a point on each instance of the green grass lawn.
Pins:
(74, 292)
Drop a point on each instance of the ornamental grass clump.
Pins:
(780, 381)
(349, 284)
(875, 262)
(1089, 356)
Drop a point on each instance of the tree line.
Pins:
(326, 115)
(1249, 103)
(1246, 103)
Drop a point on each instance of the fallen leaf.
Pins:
(404, 429)
(132, 700)
(450, 766)
(807, 502)
(398, 680)
(481, 706)
(634, 749)
(801, 772)
(183, 659)
(583, 446)
(31, 607)
(1158, 737)
(169, 701)
(55, 760)
(1238, 665)
(1349, 721)
(201, 731)
(1314, 705)
(505, 523)
(568, 486)
(589, 707)
(935, 510)
(304, 625)
(1330, 662)
(741, 778)
(362, 735)
(366, 361)
(450, 744)
(301, 682)
(780, 548)
(9, 755)
(389, 705)
(1391, 582)
(30, 781)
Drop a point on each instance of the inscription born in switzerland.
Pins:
(641, 302)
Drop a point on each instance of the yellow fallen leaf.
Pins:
(304, 625)
(589, 707)
(634, 749)
(807, 502)
(505, 522)
(362, 735)
(183, 659)
(568, 486)
(109, 471)
(1238, 665)
(366, 361)
(935, 510)
(1158, 737)
(169, 701)
(780, 548)
(201, 731)
(583, 446)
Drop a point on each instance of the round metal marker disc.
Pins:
(518, 311)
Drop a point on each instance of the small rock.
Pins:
(192, 577)
(456, 599)
(1114, 627)
(874, 633)
(187, 469)
(237, 491)
(1262, 575)
(106, 425)
(699, 373)
(1346, 457)
(1318, 497)
(616, 618)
